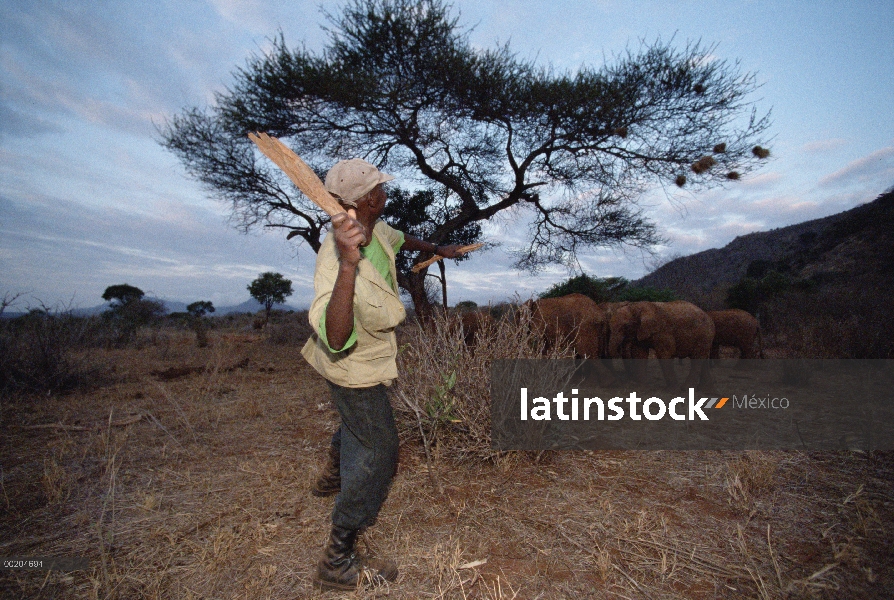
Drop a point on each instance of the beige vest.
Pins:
(377, 311)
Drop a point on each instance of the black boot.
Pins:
(342, 568)
(329, 481)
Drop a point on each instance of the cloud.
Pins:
(763, 180)
(18, 124)
(245, 13)
(56, 247)
(120, 64)
(820, 146)
(877, 166)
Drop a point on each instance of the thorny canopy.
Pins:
(400, 84)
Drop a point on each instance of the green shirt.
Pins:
(377, 257)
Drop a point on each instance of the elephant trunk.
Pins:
(614, 344)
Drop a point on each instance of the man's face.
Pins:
(376, 201)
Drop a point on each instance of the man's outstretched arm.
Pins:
(414, 244)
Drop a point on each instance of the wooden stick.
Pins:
(298, 171)
(308, 182)
(436, 257)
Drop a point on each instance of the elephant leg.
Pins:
(667, 369)
(665, 355)
(637, 363)
(700, 375)
(601, 370)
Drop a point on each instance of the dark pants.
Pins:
(367, 443)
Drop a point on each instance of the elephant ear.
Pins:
(648, 323)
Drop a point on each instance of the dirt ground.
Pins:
(187, 475)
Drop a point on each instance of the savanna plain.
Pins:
(182, 471)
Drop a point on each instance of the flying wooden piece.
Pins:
(436, 258)
(298, 171)
(308, 182)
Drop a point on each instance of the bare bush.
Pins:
(832, 322)
(444, 388)
(289, 329)
(39, 352)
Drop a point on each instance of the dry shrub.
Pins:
(832, 322)
(444, 389)
(289, 330)
(43, 352)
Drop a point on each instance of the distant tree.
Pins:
(608, 289)
(751, 293)
(200, 308)
(631, 293)
(599, 289)
(466, 305)
(401, 85)
(269, 289)
(141, 312)
(197, 311)
(122, 294)
(130, 310)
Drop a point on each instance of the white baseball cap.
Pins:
(350, 180)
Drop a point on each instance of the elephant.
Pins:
(627, 350)
(577, 319)
(472, 323)
(574, 318)
(677, 329)
(739, 329)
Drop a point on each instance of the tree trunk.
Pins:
(443, 282)
(414, 283)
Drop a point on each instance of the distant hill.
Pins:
(855, 247)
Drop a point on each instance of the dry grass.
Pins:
(197, 486)
(444, 391)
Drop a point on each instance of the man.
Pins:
(355, 310)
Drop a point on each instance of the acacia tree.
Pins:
(420, 214)
(130, 310)
(197, 311)
(122, 294)
(400, 84)
(269, 289)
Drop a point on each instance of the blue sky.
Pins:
(88, 198)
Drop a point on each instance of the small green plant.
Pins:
(442, 404)
(443, 394)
